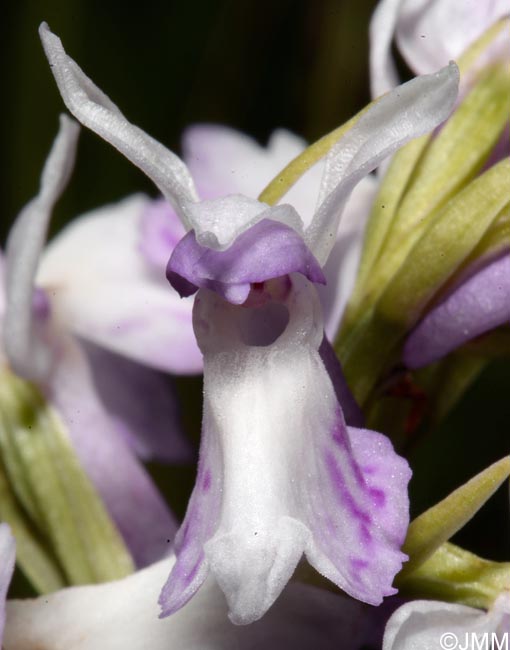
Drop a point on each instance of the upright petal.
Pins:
(123, 616)
(406, 113)
(478, 305)
(280, 473)
(95, 111)
(7, 560)
(28, 355)
(104, 289)
(126, 489)
(428, 625)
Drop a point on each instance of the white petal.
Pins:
(280, 474)
(103, 289)
(406, 113)
(430, 33)
(429, 625)
(95, 111)
(29, 356)
(383, 73)
(123, 615)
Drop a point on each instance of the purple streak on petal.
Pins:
(127, 490)
(477, 306)
(351, 410)
(143, 404)
(357, 544)
(7, 560)
(200, 523)
(160, 232)
(267, 250)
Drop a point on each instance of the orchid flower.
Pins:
(428, 34)
(41, 346)
(429, 624)
(280, 471)
(244, 167)
(124, 614)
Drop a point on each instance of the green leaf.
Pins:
(450, 238)
(391, 190)
(437, 524)
(450, 161)
(49, 482)
(32, 555)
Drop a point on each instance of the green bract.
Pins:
(45, 495)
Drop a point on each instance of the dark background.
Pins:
(252, 64)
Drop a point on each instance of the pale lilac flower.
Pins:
(41, 345)
(124, 615)
(429, 625)
(428, 34)
(280, 472)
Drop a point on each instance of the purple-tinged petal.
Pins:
(28, 355)
(224, 161)
(123, 614)
(199, 525)
(98, 113)
(160, 232)
(424, 624)
(103, 289)
(269, 249)
(352, 412)
(407, 112)
(143, 404)
(7, 560)
(475, 307)
(286, 475)
(131, 498)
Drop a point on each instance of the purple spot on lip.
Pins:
(378, 496)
